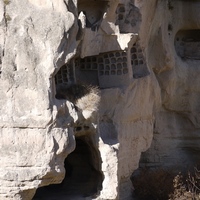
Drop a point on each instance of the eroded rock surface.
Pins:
(176, 133)
(143, 56)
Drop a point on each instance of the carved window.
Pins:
(187, 44)
(138, 62)
(120, 14)
(88, 63)
(114, 63)
(65, 74)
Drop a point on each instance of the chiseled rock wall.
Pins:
(144, 57)
(174, 56)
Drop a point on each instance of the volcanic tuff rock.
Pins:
(143, 59)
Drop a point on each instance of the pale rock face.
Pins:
(176, 48)
(32, 149)
(141, 54)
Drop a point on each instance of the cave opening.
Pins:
(83, 177)
(93, 11)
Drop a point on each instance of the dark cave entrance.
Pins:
(83, 175)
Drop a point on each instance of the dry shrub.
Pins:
(186, 188)
(163, 184)
(153, 184)
(85, 97)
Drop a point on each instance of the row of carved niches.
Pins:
(128, 18)
(65, 74)
(112, 63)
(94, 11)
(112, 68)
(187, 44)
(138, 62)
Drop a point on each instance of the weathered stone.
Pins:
(176, 131)
(144, 58)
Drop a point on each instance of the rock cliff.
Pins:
(91, 89)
